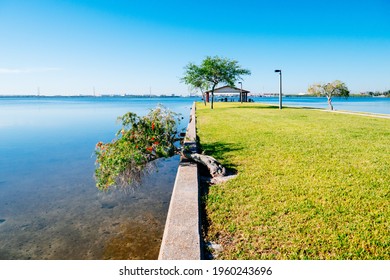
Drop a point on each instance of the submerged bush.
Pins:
(140, 141)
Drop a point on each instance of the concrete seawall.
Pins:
(182, 235)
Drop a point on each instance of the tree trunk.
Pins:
(204, 97)
(214, 167)
(330, 103)
(212, 97)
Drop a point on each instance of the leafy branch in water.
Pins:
(140, 141)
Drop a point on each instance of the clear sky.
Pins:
(70, 47)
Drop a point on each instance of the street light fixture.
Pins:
(280, 87)
(240, 92)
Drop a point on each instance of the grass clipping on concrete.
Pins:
(311, 184)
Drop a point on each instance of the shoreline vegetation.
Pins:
(311, 184)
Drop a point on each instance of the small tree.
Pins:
(213, 71)
(335, 88)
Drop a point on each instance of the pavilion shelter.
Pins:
(227, 91)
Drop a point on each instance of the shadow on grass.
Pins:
(219, 151)
(257, 106)
(275, 107)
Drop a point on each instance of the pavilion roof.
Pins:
(227, 90)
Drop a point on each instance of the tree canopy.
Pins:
(213, 71)
(335, 88)
(194, 79)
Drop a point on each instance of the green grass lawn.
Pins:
(310, 184)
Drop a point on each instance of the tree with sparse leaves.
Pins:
(335, 88)
(213, 71)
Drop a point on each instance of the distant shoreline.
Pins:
(163, 96)
(95, 96)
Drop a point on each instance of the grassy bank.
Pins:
(310, 184)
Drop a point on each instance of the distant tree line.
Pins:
(378, 93)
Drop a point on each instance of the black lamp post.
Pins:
(280, 87)
(240, 92)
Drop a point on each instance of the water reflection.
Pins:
(49, 206)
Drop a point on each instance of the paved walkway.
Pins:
(373, 115)
(382, 116)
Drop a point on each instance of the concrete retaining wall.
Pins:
(182, 235)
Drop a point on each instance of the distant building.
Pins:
(269, 94)
(227, 91)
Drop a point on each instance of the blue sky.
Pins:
(70, 47)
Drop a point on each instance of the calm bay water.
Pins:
(49, 206)
(356, 104)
